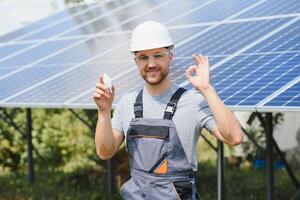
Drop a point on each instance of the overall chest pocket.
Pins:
(147, 146)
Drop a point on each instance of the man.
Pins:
(161, 124)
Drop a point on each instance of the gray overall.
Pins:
(159, 166)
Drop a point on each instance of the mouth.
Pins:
(153, 70)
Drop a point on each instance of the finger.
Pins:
(101, 86)
(96, 95)
(99, 91)
(206, 59)
(191, 70)
(113, 90)
(189, 75)
(201, 58)
(101, 78)
(197, 59)
(107, 95)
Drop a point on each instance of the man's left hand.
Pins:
(201, 78)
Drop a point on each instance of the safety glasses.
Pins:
(143, 59)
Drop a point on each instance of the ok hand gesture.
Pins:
(201, 79)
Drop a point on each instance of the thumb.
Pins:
(190, 71)
(101, 78)
(113, 90)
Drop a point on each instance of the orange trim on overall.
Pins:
(163, 168)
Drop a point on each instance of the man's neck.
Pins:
(156, 90)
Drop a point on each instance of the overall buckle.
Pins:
(171, 107)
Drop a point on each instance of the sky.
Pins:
(18, 13)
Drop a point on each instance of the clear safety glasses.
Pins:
(143, 59)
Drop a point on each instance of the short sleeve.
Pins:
(117, 117)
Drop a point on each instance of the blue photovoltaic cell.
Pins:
(247, 80)
(179, 35)
(28, 77)
(288, 98)
(70, 22)
(73, 83)
(215, 11)
(4, 71)
(228, 38)
(90, 48)
(12, 48)
(39, 24)
(120, 23)
(105, 22)
(175, 11)
(273, 7)
(37, 52)
(285, 40)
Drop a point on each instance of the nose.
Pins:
(151, 62)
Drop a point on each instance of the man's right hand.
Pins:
(103, 97)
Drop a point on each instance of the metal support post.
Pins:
(110, 176)
(221, 182)
(269, 155)
(29, 145)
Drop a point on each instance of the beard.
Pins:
(156, 78)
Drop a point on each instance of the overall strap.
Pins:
(171, 106)
(138, 105)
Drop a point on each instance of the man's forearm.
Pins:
(104, 139)
(226, 122)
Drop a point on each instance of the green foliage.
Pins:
(258, 134)
(60, 140)
(67, 166)
(81, 184)
(90, 183)
(12, 143)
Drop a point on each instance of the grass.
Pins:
(241, 184)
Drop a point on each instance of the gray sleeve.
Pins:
(207, 119)
(116, 121)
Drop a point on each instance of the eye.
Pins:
(143, 58)
(158, 56)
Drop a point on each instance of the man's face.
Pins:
(154, 64)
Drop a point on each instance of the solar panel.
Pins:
(209, 13)
(227, 38)
(253, 48)
(35, 52)
(43, 23)
(11, 48)
(287, 98)
(270, 8)
(84, 23)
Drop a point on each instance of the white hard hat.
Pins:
(150, 35)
